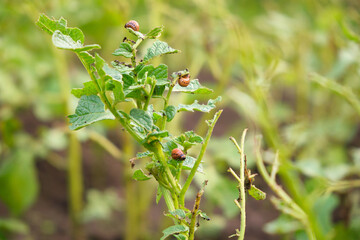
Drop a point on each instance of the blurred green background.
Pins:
(287, 70)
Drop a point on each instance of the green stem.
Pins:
(157, 149)
(166, 103)
(168, 199)
(178, 175)
(198, 160)
(76, 186)
(134, 47)
(149, 95)
(241, 181)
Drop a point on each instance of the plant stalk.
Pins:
(241, 180)
(198, 160)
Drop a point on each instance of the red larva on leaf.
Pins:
(134, 25)
(184, 80)
(177, 154)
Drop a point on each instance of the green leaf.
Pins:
(142, 118)
(158, 48)
(178, 214)
(117, 88)
(18, 181)
(155, 33)
(63, 41)
(159, 193)
(128, 80)
(51, 25)
(116, 75)
(193, 137)
(136, 33)
(169, 146)
(89, 110)
(99, 64)
(155, 136)
(199, 107)
(122, 67)
(155, 115)
(115, 84)
(160, 73)
(174, 230)
(139, 175)
(88, 89)
(144, 154)
(87, 58)
(124, 50)
(194, 87)
(170, 112)
(180, 237)
(257, 193)
(13, 225)
(189, 162)
(204, 216)
(135, 92)
(159, 90)
(188, 139)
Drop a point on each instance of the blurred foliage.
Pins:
(257, 54)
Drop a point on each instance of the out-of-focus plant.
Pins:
(136, 83)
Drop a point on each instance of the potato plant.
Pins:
(147, 89)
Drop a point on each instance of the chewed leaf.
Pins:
(89, 110)
(257, 193)
(139, 175)
(157, 49)
(88, 89)
(51, 25)
(124, 50)
(199, 107)
(174, 230)
(194, 87)
(63, 41)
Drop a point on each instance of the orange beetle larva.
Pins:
(184, 80)
(134, 25)
(177, 154)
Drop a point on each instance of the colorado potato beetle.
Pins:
(134, 25)
(177, 154)
(184, 80)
